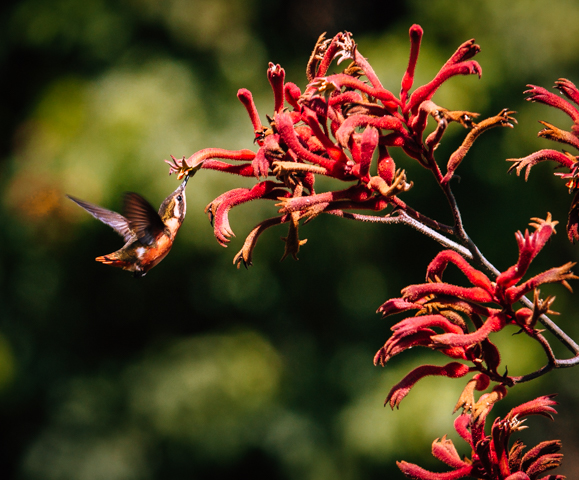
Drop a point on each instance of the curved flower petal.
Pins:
(444, 450)
(414, 471)
(539, 406)
(493, 324)
(345, 131)
(441, 261)
(542, 95)
(529, 247)
(401, 389)
(526, 163)
(427, 91)
(413, 293)
(397, 305)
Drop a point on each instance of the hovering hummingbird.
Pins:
(148, 235)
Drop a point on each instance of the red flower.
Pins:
(333, 128)
(566, 160)
(444, 309)
(492, 458)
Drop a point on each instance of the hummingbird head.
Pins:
(172, 210)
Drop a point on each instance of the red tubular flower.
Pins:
(386, 167)
(414, 471)
(401, 389)
(340, 80)
(397, 305)
(474, 294)
(351, 123)
(539, 406)
(418, 332)
(415, 34)
(568, 88)
(441, 261)
(317, 132)
(526, 163)
(246, 98)
(183, 166)
(269, 152)
(292, 95)
(368, 144)
(529, 247)
(494, 323)
(491, 458)
(324, 53)
(287, 133)
(326, 146)
(542, 95)
(550, 132)
(443, 449)
(426, 92)
(444, 310)
(456, 65)
(218, 210)
(276, 77)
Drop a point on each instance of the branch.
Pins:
(560, 334)
(472, 253)
(404, 218)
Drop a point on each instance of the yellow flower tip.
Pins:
(539, 222)
(292, 247)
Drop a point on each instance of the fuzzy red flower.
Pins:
(444, 311)
(564, 159)
(492, 458)
(335, 127)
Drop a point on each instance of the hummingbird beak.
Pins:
(191, 173)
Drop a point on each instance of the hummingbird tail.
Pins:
(115, 262)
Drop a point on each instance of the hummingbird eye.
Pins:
(179, 198)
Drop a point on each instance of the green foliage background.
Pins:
(200, 370)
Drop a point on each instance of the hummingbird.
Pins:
(148, 235)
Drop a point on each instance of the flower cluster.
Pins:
(345, 126)
(337, 127)
(492, 458)
(564, 159)
(443, 310)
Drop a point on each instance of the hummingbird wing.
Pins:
(113, 219)
(143, 218)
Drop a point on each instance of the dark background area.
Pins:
(200, 370)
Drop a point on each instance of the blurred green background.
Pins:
(201, 370)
